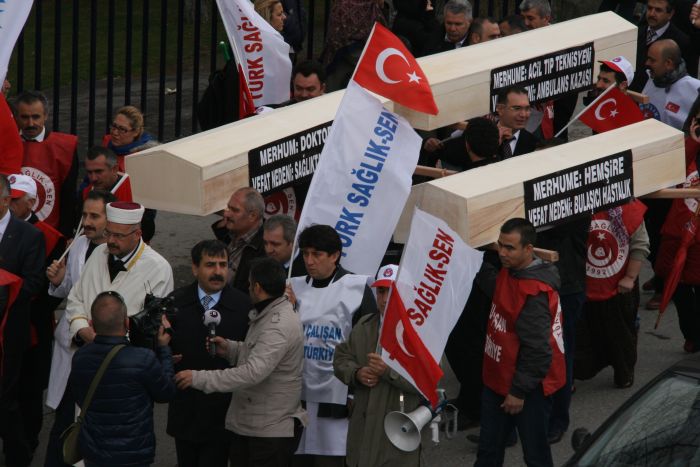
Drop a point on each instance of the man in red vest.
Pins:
(103, 172)
(524, 351)
(50, 158)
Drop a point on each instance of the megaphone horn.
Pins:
(403, 430)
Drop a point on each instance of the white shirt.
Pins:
(40, 137)
(514, 141)
(4, 223)
(659, 32)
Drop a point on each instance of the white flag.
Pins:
(363, 178)
(434, 282)
(13, 15)
(262, 52)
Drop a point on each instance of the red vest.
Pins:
(608, 249)
(123, 193)
(503, 344)
(49, 163)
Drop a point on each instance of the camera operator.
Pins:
(124, 264)
(195, 419)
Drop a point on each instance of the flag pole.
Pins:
(595, 101)
(364, 49)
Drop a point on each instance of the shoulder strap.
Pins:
(96, 380)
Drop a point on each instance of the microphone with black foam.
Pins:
(211, 319)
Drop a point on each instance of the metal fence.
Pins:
(93, 56)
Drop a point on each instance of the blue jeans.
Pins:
(571, 307)
(531, 423)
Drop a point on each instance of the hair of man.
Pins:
(253, 201)
(542, 7)
(515, 21)
(477, 26)
(321, 238)
(269, 275)
(458, 7)
(481, 135)
(528, 235)
(505, 92)
(30, 97)
(97, 151)
(288, 225)
(108, 312)
(308, 68)
(211, 248)
(105, 196)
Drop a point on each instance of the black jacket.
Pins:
(688, 51)
(118, 427)
(192, 415)
(569, 239)
(21, 253)
(533, 326)
(526, 143)
(255, 249)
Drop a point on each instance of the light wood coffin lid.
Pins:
(197, 174)
(475, 203)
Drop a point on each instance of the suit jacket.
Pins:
(193, 415)
(688, 51)
(526, 143)
(255, 249)
(22, 254)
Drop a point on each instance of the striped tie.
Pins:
(206, 302)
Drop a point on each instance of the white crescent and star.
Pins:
(613, 112)
(399, 339)
(383, 57)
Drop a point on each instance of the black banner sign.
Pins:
(577, 191)
(547, 77)
(288, 161)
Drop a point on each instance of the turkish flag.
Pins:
(406, 347)
(387, 68)
(51, 236)
(11, 148)
(612, 110)
(246, 105)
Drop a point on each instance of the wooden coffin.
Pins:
(477, 202)
(197, 174)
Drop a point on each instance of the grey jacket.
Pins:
(265, 378)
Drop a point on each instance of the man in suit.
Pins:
(242, 229)
(22, 254)
(513, 109)
(655, 26)
(196, 420)
(278, 237)
(457, 16)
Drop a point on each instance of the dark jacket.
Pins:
(118, 427)
(569, 239)
(193, 415)
(680, 38)
(255, 249)
(526, 143)
(22, 254)
(533, 325)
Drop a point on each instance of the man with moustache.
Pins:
(124, 264)
(195, 419)
(62, 275)
(51, 159)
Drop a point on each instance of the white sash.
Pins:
(326, 314)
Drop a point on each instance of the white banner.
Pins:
(363, 178)
(261, 50)
(13, 15)
(434, 282)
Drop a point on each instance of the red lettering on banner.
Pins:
(252, 43)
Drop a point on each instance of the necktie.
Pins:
(506, 151)
(114, 266)
(651, 34)
(206, 302)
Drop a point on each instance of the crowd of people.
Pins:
(259, 370)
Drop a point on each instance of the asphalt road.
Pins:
(593, 402)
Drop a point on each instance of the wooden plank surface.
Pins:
(477, 202)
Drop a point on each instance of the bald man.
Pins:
(670, 89)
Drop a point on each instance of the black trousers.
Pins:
(687, 301)
(251, 451)
(206, 454)
(15, 444)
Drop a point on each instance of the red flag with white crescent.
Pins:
(613, 110)
(388, 69)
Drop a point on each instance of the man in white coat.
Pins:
(62, 275)
(124, 264)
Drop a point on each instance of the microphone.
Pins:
(211, 319)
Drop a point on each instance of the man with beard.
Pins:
(670, 89)
(195, 419)
(62, 275)
(125, 264)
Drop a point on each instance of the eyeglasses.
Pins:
(117, 236)
(119, 129)
(520, 108)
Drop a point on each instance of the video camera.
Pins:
(144, 325)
